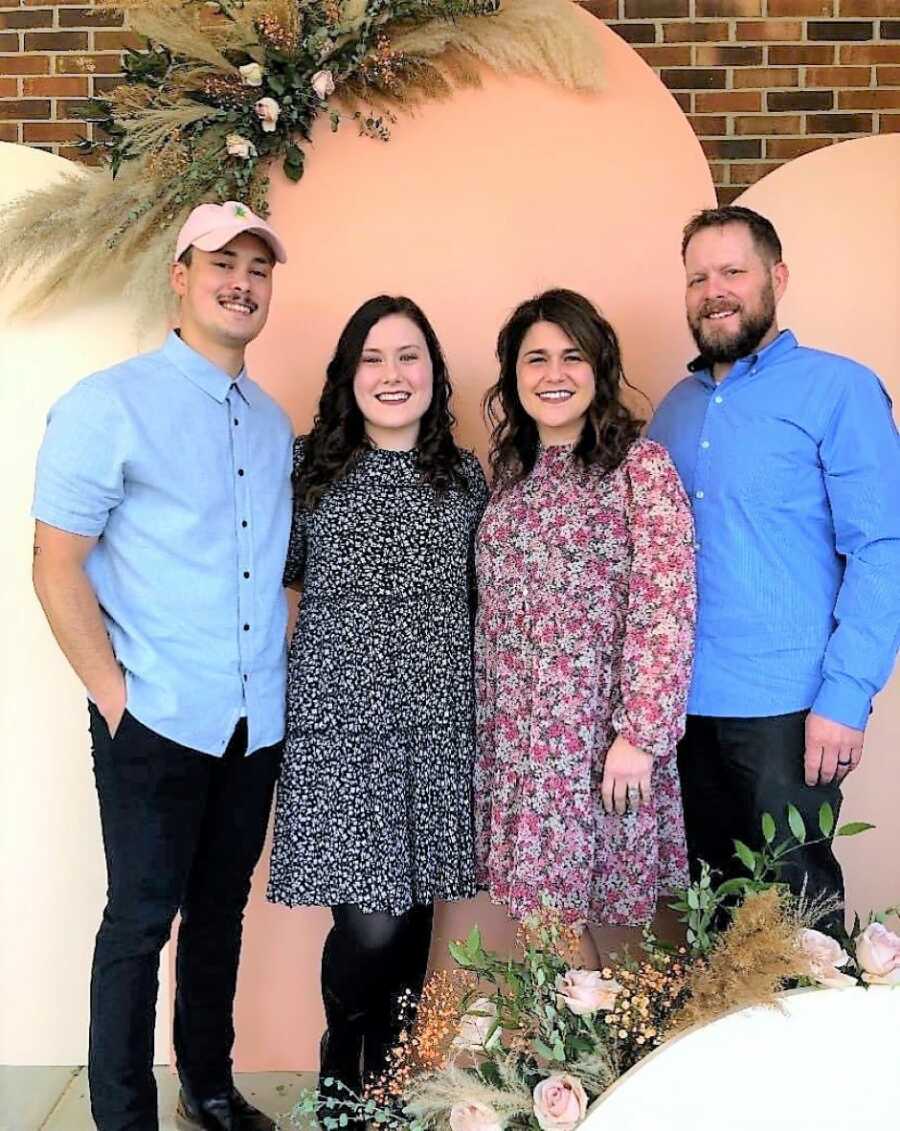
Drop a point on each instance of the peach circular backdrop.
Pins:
(838, 214)
(475, 204)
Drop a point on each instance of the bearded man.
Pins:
(791, 461)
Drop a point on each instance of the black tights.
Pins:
(368, 961)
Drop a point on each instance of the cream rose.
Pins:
(476, 1025)
(323, 84)
(238, 146)
(251, 74)
(585, 991)
(824, 955)
(267, 110)
(474, 1117)
(878, 953)
(560, 1102)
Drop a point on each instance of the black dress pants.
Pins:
(732, 771)
(181, 831)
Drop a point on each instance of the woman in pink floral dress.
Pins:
(584, 634)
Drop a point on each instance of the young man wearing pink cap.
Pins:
(163, 507)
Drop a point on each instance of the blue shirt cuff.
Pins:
(65, 520)
(843, 701)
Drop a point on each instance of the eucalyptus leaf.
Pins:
(542, 1049)
(490, 1074)
(854, 828)
(732, 887)
(826, 819)
(768, 827)
(746, 856)
(458, 954)
(795, 823)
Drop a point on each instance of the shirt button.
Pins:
(243, 522)
(245, 677)
(718, 400)
(246, 628)
(704, 444)
(697, 546)
(699, 494)
(236, 422)
(240, 471)
(246, 573)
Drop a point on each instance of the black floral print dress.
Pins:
(374, 803)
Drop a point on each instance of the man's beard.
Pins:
(754, 328)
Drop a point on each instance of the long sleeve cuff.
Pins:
(843, 701)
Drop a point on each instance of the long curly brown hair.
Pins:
(338, 437)
(609, 429)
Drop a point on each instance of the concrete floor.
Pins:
(56, 1099)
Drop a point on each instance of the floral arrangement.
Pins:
(531, 1042)
(226, 88)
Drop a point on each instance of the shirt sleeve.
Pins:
(860, 455)
(80, 475)
(659, 629)
(296, 554)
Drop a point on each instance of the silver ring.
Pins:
(847, 763)
(632, 791)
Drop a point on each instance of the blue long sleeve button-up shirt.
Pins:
(792, 466)
(183, 475)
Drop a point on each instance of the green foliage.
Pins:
(704, 907)
(157, 78)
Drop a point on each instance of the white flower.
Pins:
(476, 1025)
(586, 991)
(824, 955)
(878, 953)
(560, 1102)
(267, 110)
(323, 84)
(239, 146)
(251, 74)
(474, 1116)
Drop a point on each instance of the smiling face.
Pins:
(732, 292)
(555, 382)
(394, 382)
(224, 295)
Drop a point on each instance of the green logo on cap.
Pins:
(240, 210)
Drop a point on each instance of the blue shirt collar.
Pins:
(214, 381)
(785, 342)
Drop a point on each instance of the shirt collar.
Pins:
(785, 342)
(214, 381)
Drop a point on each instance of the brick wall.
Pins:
(762, 81)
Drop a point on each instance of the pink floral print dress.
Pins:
(584, 631)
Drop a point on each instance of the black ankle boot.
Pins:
(340, 1060)
(340, 1077)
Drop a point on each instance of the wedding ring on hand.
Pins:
(633, 796)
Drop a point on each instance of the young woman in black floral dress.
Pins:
(374, 812)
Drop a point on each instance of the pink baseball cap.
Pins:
(211, 226)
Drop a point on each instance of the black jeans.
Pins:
(734, 770)
(181, 831)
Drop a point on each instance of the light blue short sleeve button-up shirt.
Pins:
(183, 475)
